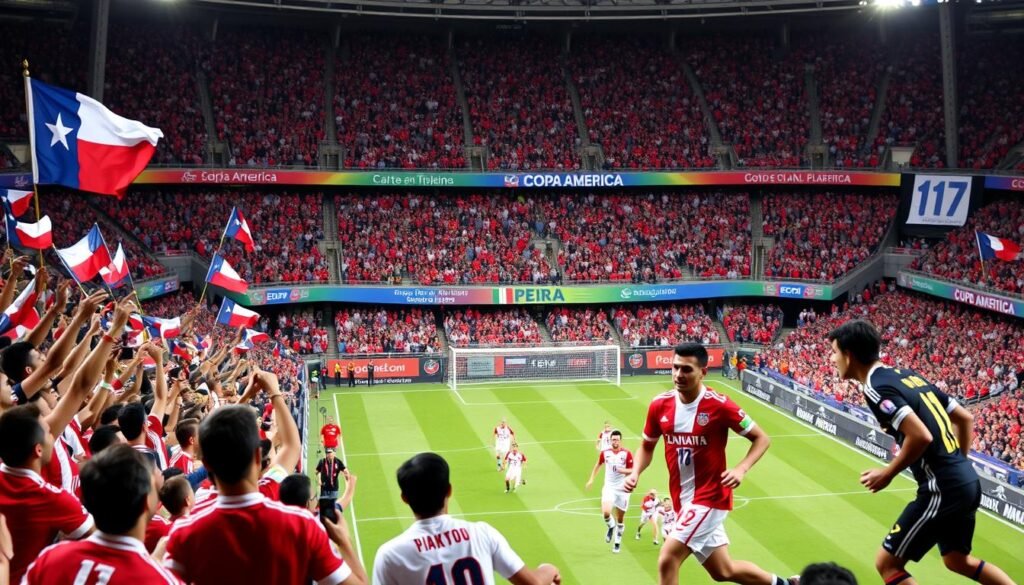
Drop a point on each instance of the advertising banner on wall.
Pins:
(640, 361)
(412, 179)
(997, 481)
(961, 294)
(391, 370)
(156, 287)
(532, 295)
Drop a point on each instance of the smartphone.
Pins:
(327, 510)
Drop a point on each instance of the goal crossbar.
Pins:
(495, 365)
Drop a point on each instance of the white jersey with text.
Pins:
(514, 461)
(503, 435)
(443, 549)
(615, 462)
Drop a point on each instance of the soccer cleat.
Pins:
(655, 543)
(617, 548)
(608, 536)
(506, 490)
(638, 536)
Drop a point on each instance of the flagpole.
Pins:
(220, 246)
(981, 256)
(32, 146)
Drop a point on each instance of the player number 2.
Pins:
(465, 571)
(103, 573)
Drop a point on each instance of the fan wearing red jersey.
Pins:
(329, 434)
(245, 537)
(613, 499)
(119, 487)
(695, 423)
(440, 549)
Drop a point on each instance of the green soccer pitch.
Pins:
(801, 503)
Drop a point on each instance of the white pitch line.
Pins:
(471, 389)
(856, 450)
(560, 508)
(352, 504)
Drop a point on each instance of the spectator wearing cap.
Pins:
(327, 471)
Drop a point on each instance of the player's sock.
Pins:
(977, 574)
(621, 529)
(901, 577)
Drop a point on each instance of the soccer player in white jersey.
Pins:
(503, 437)
(440, 549)
(695, 422)
(614, 500)
(668, 516)
(514, 465)
(649, 514)
(604, 438)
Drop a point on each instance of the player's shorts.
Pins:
(645, 516)
(945, 519)
(617, 498)
(502, 448)
(700, 529)
(515, 475)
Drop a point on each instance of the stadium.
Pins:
(282, 248)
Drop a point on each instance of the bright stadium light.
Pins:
(889, 4)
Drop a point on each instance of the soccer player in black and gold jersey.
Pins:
(934, 435)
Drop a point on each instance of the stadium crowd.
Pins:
(299, 329)
(575, 325)
(518, 103)
(641, 111)
(395, 104)
(655, 236)
(384, 330)
(664, 325)
(965, 352)
(998, 428)
(752, 323)
(956, 256)
(444, 239)
(267, 90)
(286, 228)
(473, 327)
(822, 237)
(913, 103)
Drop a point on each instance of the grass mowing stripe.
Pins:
(352, 504)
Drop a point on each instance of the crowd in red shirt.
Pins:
(913, 112)
(518, 103)
(488, 327)
(823, 236)
(587, 325)
(997, 428)
(956, 257)
(664, 325)
(395, 104)
(267, 90)
(650, 237)
(444, 239)
(641, 110)
(286, 228)
(752, 323)
(378, 329)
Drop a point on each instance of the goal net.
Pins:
(468, 366)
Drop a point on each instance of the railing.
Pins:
(905, 251)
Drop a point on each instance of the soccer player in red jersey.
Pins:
(695, 422)
(244, 537)
(649, 514)
(119, 488)
(330, 433)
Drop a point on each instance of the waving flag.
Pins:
(115, 274)
(252, 336)
(234, 315)
(990, 247)
(79, 143)
(34, 236)
(238, 229)
(165, 328)
(223, 275)
(19, 311)
(19, 331)
(85, 259)
(18, 200)
(181, 349)
(277, 349)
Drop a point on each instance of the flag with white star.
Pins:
(79, 143)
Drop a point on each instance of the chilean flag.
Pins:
(165, 328)
(234, 315)
(19, 331)
(990, 247)
(20, 310)
(223, 275)
(238, 229)
(34, 236)
(18, 200)
(253, 337)
(115, 274)
(81, 144)
(85, 259)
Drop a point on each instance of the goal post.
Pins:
(492, 365)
